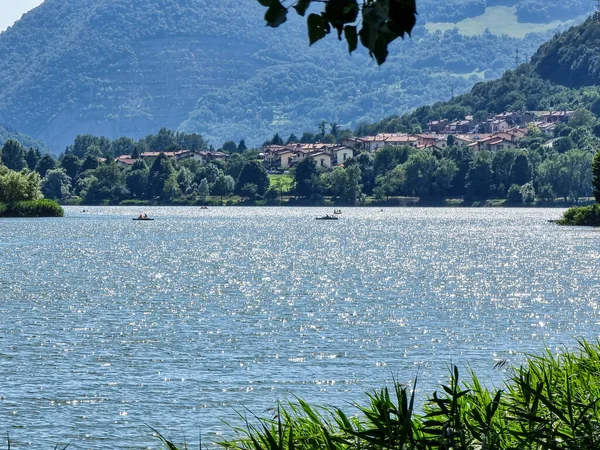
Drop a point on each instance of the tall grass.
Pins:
(549, 403)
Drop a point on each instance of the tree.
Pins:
(18, 186)
(328, 139)
(596, 176)
(229, 147)
(71, 164)
(241, 147)
(276, 140)
(514, 194)
(253, 172)
(13, 155)
(304, 175)
(292, 139)
(527, 193)
(353, 191)
(249, 191)
(56, 184)
(137, 182)
(32, 157)
(223, 186)
(520, 170)
(479, 179)
(45, 164)
(582, 118)
(122, 146)
(203, 190)
(160, 172)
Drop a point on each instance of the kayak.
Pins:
(143, 218)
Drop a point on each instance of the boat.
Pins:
(327, 217)
(142, 218)
(337, 211)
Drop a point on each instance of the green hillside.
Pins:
(562, 75)
(130, 67)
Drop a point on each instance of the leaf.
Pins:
(402, 16)
(351, 36)
(317, 28)
(301, 6)
(276, 14)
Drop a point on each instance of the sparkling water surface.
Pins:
(108, 325)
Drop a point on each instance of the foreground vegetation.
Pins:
(21, 195)
(551, 402)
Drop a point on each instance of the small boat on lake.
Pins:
(337, 211)
(142, 217)
(327, 217)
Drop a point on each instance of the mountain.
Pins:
(130, 67)
(27, 141)
(564, 74)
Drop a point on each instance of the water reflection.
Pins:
(108, 324)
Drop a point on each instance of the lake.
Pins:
(108, 325)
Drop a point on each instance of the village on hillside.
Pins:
(499, 132)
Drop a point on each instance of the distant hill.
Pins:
(130, 67)
(564, 74)
(25, 140)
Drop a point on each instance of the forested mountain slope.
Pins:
(130, 67)
(564, 74)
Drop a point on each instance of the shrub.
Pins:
(527, 193)
(582, 215)
(134, 202)
(514, 194)
(34, 208)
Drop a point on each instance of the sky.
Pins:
(12, 10)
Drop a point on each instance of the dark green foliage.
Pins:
(45, 164)
(596, 176)
(13, 155)
(520, 170)
(32, 208)
(253, 172)
(514, 194)
(304, 178)
(159, 173)
(571, 58)
(582, 215)
(479, 179)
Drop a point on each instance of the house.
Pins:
(437, 126)
(546, 128)
(286, 157)
(342, 154)
(557, 116)
(125, 161)
(201, 157)
(496, 125)
(429, 140)
(494, 144)
(322, 159)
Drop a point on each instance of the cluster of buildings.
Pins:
(497, 132)
(202, 157)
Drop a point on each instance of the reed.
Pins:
(549, 403)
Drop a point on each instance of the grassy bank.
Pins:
(582, 216)
(33, 208)
(549, 403)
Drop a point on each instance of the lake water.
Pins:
(108, 325)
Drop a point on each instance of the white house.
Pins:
(322, 159)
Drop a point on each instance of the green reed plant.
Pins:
(548, 403)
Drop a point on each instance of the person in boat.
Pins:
(141, 216)
(145, 216)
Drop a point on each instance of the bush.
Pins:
(134, 202)
(582, 215)
(527, 193)
(3, 208)
(514, 194)
(34, 208)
